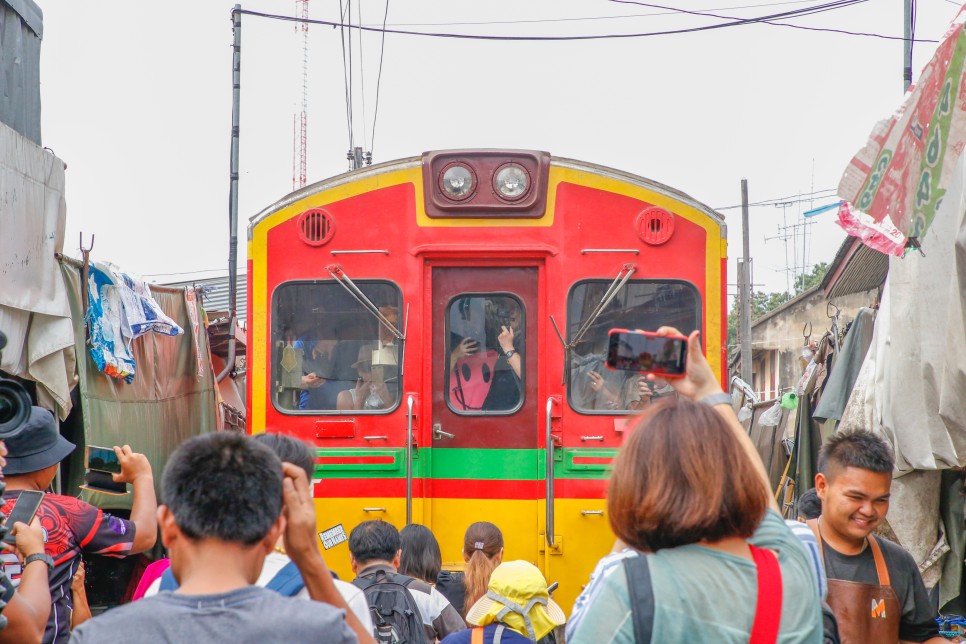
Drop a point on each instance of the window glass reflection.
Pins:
(486, 345)
(640, 304)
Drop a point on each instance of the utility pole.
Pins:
(907, 45)
(744, 288)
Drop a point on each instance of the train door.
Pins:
(484, 459)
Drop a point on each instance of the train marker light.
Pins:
(512, 181)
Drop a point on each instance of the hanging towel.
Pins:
(120, 309)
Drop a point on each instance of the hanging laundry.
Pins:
(120, 309)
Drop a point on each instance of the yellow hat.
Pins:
(517, 596)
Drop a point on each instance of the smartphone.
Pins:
(646, 352)
(23, 511)
(102, 459)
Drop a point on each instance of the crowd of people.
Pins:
(702, 551)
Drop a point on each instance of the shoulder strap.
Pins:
(168, 582)
(880, 566)
(476, 637)
(768, 608)
(287, 582)
(498, 635)
(641, 596)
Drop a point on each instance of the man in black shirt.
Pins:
(875, 588)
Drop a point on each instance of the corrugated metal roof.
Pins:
(215, 292)
(855, 269)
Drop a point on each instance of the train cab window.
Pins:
(640, 304)
(330, 354)
(486, 345)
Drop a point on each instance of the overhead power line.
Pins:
(827, 193)
(667, 32)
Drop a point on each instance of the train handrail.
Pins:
(549, 437)
(410, 403)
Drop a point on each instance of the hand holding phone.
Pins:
(23, 512)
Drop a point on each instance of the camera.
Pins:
(14, 402)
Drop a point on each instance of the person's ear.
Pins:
(277, 530)
(170, 532)
(397, 558)
(353, 564)
(499, 557)
(821, 486)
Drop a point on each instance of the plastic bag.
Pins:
(773, 416)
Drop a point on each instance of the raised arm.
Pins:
(136, 470)
(699, 383)
(300, 545)
(29, 607)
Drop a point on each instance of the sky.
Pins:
(136, 99)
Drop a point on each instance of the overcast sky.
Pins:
(137, 101)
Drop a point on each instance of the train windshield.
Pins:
(331, 355)
(486, 338)
(640, 304)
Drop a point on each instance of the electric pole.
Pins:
(907, 45)
(744, 288)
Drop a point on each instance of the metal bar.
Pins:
(549, 437)
(359, 252)
(635, 251)
(594, 512)
(410, 403)
(339, 275)
(591, 438)
(375, 438)
(625, 274)
(373, 509)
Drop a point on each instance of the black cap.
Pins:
(38, 446)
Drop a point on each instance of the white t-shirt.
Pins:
(275, 561)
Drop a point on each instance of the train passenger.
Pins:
(486, 355)
(697, 526)
(515, 608)
(319, 387)
(227, 500)
(367, 393)
(374, 552)
(421, 557)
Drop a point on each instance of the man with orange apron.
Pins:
(874, 585)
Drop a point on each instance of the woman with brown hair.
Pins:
(702, 551)
(482, 552)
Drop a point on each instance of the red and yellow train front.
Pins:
(437, 328)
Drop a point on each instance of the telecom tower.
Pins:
(300, 133)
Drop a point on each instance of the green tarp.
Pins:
(167, 403)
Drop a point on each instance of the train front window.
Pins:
(331, 355)
(640, 304)
(486, 345)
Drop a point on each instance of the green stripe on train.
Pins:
(477, 464)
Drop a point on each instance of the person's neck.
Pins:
(732, 545)
(21, 482)
(211, 566)
(376, 562)
(842, 544)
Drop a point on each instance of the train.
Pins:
(436, 327)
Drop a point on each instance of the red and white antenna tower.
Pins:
(300, 132)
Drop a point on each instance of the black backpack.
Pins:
(395, 616)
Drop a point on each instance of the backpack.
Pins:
(395, 617)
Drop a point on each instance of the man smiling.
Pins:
(874, 586)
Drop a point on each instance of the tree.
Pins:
(762, 303)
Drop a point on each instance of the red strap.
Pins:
(768, 609)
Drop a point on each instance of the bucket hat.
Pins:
(517, 596)
(38, 446)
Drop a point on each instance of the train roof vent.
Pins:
(655, 226)
(316, 227)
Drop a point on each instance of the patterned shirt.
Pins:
(71, 527)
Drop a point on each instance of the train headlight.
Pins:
(458, 182)
(512, 181)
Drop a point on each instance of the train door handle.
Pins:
(438, 432)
